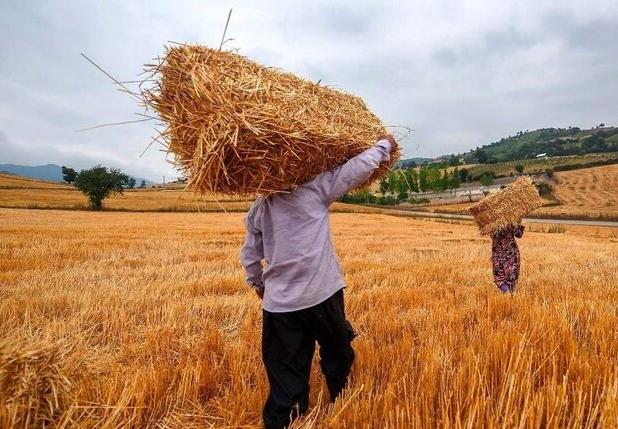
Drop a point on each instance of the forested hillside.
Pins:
(550, 141)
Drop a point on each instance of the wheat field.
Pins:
(592, 191)
(11, 181)
(589, 193)
(117, 319)
(585, 193)
(20, 192)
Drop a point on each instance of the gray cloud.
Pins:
(460, 74)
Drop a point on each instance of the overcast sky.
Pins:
(460, 73)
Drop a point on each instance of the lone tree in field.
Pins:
(98, 183)
(519, 168)
(68, 174)
(131, 183)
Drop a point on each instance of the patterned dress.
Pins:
(505, 257)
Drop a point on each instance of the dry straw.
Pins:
(237, 127)
(34, 388)
(507, 206)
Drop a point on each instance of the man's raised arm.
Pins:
(331, 185)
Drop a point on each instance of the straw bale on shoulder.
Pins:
(237, 127)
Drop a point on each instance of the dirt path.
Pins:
(609, 224)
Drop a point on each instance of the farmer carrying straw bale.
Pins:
(499, 216)
(238, 128)
(302, 285)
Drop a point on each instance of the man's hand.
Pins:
(259, 291)
(390, 139)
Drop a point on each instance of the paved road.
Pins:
(412, 213)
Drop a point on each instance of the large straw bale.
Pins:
(507, 206)
(237, 127)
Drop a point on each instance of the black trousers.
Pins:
(288, 344)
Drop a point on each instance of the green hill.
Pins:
(412, 162)
(549, 141)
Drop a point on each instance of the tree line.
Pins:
(401, 184)
(435, 178)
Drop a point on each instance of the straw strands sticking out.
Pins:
(237, 127)
(34, 387)
(507, 206)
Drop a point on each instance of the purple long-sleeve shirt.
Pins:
(290, 231)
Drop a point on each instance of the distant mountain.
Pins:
(49, 172)
(411, 162)
(547, 141)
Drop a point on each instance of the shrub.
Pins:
(362, 196)
(413, 200)
(387, 200)
(402, 194)
(487, 179)
(544, 188)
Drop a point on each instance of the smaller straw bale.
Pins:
(237, 127)
(507, 206)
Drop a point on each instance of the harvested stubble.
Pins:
(237, 127)
(33, 385)
(507, 206)
(161, 331)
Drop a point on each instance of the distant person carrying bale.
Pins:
(499, 216)
(236, 127)
(505, 257)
